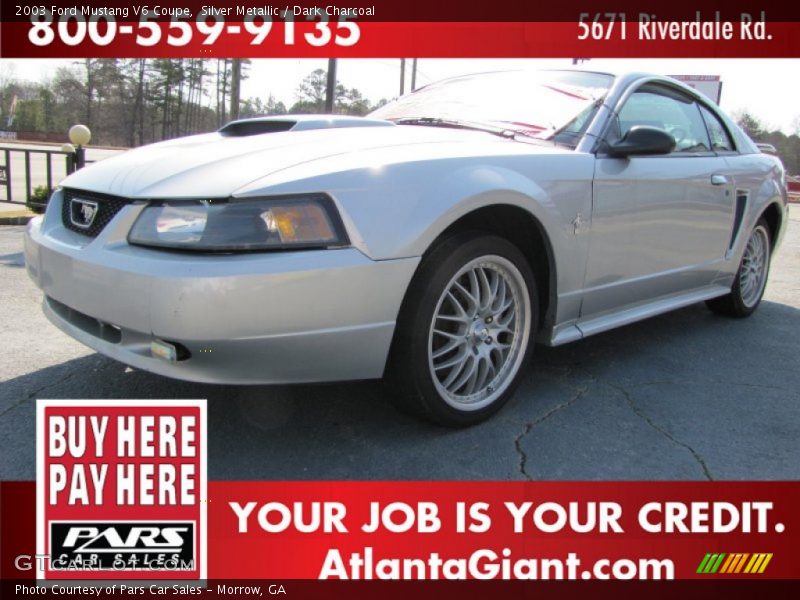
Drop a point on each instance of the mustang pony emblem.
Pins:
(82, 212)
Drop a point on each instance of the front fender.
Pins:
(469, 189)
(397, 210)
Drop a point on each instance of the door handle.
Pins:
(719, 180)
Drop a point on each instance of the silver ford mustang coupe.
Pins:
(433, 242)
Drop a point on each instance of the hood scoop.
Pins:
(262, 125)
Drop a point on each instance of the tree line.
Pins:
(787, 146)
(130, 102)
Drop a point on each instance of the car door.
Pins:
(660, 224)
(744, 175)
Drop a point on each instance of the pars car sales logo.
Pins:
(121, 489)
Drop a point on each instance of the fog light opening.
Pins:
(110, 333)
(169, 351)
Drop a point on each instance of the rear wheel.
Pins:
(465, 330)
(751, 278)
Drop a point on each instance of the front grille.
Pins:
(74, 214)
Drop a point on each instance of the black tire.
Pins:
(736, 304)
(411, 369)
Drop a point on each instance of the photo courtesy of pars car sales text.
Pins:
(302, 299)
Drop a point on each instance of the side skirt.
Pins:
(632, 314)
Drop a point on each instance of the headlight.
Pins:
(246, 224)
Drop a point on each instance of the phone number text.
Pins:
(102, 30)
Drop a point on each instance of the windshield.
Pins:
(551, 105)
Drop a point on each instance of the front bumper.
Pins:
(283, 317)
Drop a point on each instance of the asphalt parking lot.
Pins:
(688, 395)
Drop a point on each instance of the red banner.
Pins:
(479, 530)
(579, 38)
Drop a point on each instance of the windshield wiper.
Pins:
(456, 124)
(530, 130)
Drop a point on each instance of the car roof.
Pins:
(624, 77)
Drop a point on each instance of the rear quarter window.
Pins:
(720, 138)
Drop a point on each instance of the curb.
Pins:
(16, 219)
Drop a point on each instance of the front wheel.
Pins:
(465, 330)
(751, 278)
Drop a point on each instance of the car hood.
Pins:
(218, 164)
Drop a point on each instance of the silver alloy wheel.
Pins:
(755, 263)
(479, 332)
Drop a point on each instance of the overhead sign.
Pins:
(709, 85)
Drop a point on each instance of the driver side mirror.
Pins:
(643, 140)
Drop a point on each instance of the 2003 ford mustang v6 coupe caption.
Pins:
(434, 241)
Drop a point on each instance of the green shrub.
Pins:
(37, 201)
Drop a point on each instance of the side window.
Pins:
(720, 139)
(679, 117)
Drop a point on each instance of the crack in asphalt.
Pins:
(523, 457)
(639, 413)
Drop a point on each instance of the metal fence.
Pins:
(28, 175)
